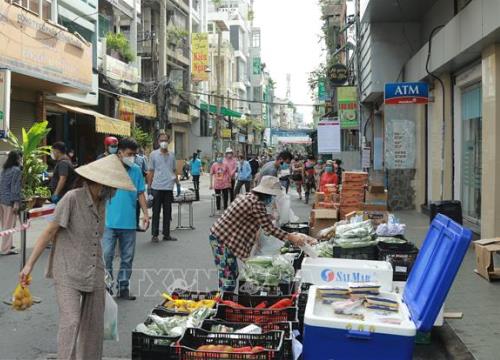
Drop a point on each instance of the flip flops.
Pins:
(11, 252)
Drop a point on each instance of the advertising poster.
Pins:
(347, 97)
(329, 136)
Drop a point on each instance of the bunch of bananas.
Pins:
(21, 298)
(186, 306)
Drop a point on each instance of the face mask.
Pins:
(268, 200)
(329, 169)
(220, 160)
(129, 160)
(113, 149)
(53, 156)
(106, 193)
(284, 166)
(320, 162)
(164, 144)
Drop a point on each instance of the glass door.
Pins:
(471, 101)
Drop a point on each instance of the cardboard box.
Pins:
(344, 210)
(376, 198)
(354, 185)
(485, 265)
(354, 176)
(375, 207)
(351, 202)
(319, 197)
(324, 214)
(320, 225)
(376, 189)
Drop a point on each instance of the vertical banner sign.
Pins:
(256, 66)
(347, 97)
(400, 146)
(199, 48)
(4, 102)
(329, 136)
(322, 95)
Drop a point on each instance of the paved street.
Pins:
(32, 334)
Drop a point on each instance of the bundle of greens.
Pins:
(268, 270)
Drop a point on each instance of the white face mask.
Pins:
(129, 161)
(52, 156)
(164, 144)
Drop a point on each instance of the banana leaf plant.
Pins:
(33, 154)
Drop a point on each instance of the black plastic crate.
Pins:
(148, 347)
(250, 288)
(252, 301)
(359, 253)
(286, 327)
(256, 316)
(401, 259)
(450, 208)
(194, 338)
(188, 295)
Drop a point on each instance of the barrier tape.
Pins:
(32, 214)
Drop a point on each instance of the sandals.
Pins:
(11, 252)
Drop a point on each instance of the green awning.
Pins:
(224, 110)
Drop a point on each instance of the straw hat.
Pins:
(108, 171)
(269, 185)
(229, 150)
(329, 162)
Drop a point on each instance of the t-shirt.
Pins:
(327, 178)
(121, 209)
(195, 167)
(164, 167)
(255, 166)
(232, 165)
(269, 169)
(64, 167)
(222, 176)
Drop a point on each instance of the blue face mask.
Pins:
(284, 166)
(220, 160)
(113, 149)
(329, 169)
(268, 200)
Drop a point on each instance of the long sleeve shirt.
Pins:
(10, 186)
(244, 171)
(237, 227)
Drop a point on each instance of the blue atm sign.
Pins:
(406, 93)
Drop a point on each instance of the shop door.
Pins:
(179, 146)
(471, 101)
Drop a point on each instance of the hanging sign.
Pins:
(4, 102)
(199, 48)
(226, 133)
(347, 98)
(329, 136)
(406, 93)
(338, 74)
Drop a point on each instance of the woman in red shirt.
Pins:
(328, 176)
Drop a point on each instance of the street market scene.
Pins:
(249, 179)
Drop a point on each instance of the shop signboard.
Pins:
(347, 98)
(199, 48)
(36, 48)
(406, 93)
(322, 93)
(257, 66)
(226, 133)
(241, 138)
(329, 136)
(338, 74)
(116, 69)
(4, 102)
(136, 106)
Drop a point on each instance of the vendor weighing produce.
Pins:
(233, 235)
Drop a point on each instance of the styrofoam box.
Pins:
(399, 286)
(331, 336)
(340, 272)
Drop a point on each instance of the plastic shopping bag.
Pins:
(285, 212)
(267, 245)
(110, 318)
(21, 297)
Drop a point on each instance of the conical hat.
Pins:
(108, 171)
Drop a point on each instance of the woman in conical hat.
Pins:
(76, 262)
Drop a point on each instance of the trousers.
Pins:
(8, 219)
(162, 199)
(81, 324)
(126, 242)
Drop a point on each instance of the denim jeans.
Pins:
(126, 243)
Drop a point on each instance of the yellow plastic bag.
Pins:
(21, 297)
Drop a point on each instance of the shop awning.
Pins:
(103, 124)
(132, 105)
(223, 110)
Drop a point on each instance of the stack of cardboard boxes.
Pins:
(352, 195)
(322, 219)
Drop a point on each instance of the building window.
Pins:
(256, 39)
(47, 10)
(104, 25)
(211, 28)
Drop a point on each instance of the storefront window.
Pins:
(471, 152)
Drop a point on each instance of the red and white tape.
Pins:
(7, 232)
(32, 214)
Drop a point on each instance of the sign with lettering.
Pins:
(199, 48)
(400, 145)
(347, 98)
(406, 93)
(329, 136)
(338, 74)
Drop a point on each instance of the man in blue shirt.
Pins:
(121, 221)
(195, 164)
(244, 175)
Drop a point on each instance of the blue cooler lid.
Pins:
(435, 269)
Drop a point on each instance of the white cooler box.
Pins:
(386, 335)
(340, 272)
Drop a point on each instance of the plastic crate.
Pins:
(189, 295)
(252, 301)
(256, 316)
(247, 287)
(360, 253)
(148, 347)
(286, 327)
(194, 338)
(401, 257)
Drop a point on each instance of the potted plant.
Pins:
(33, 191)
(119, 46)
